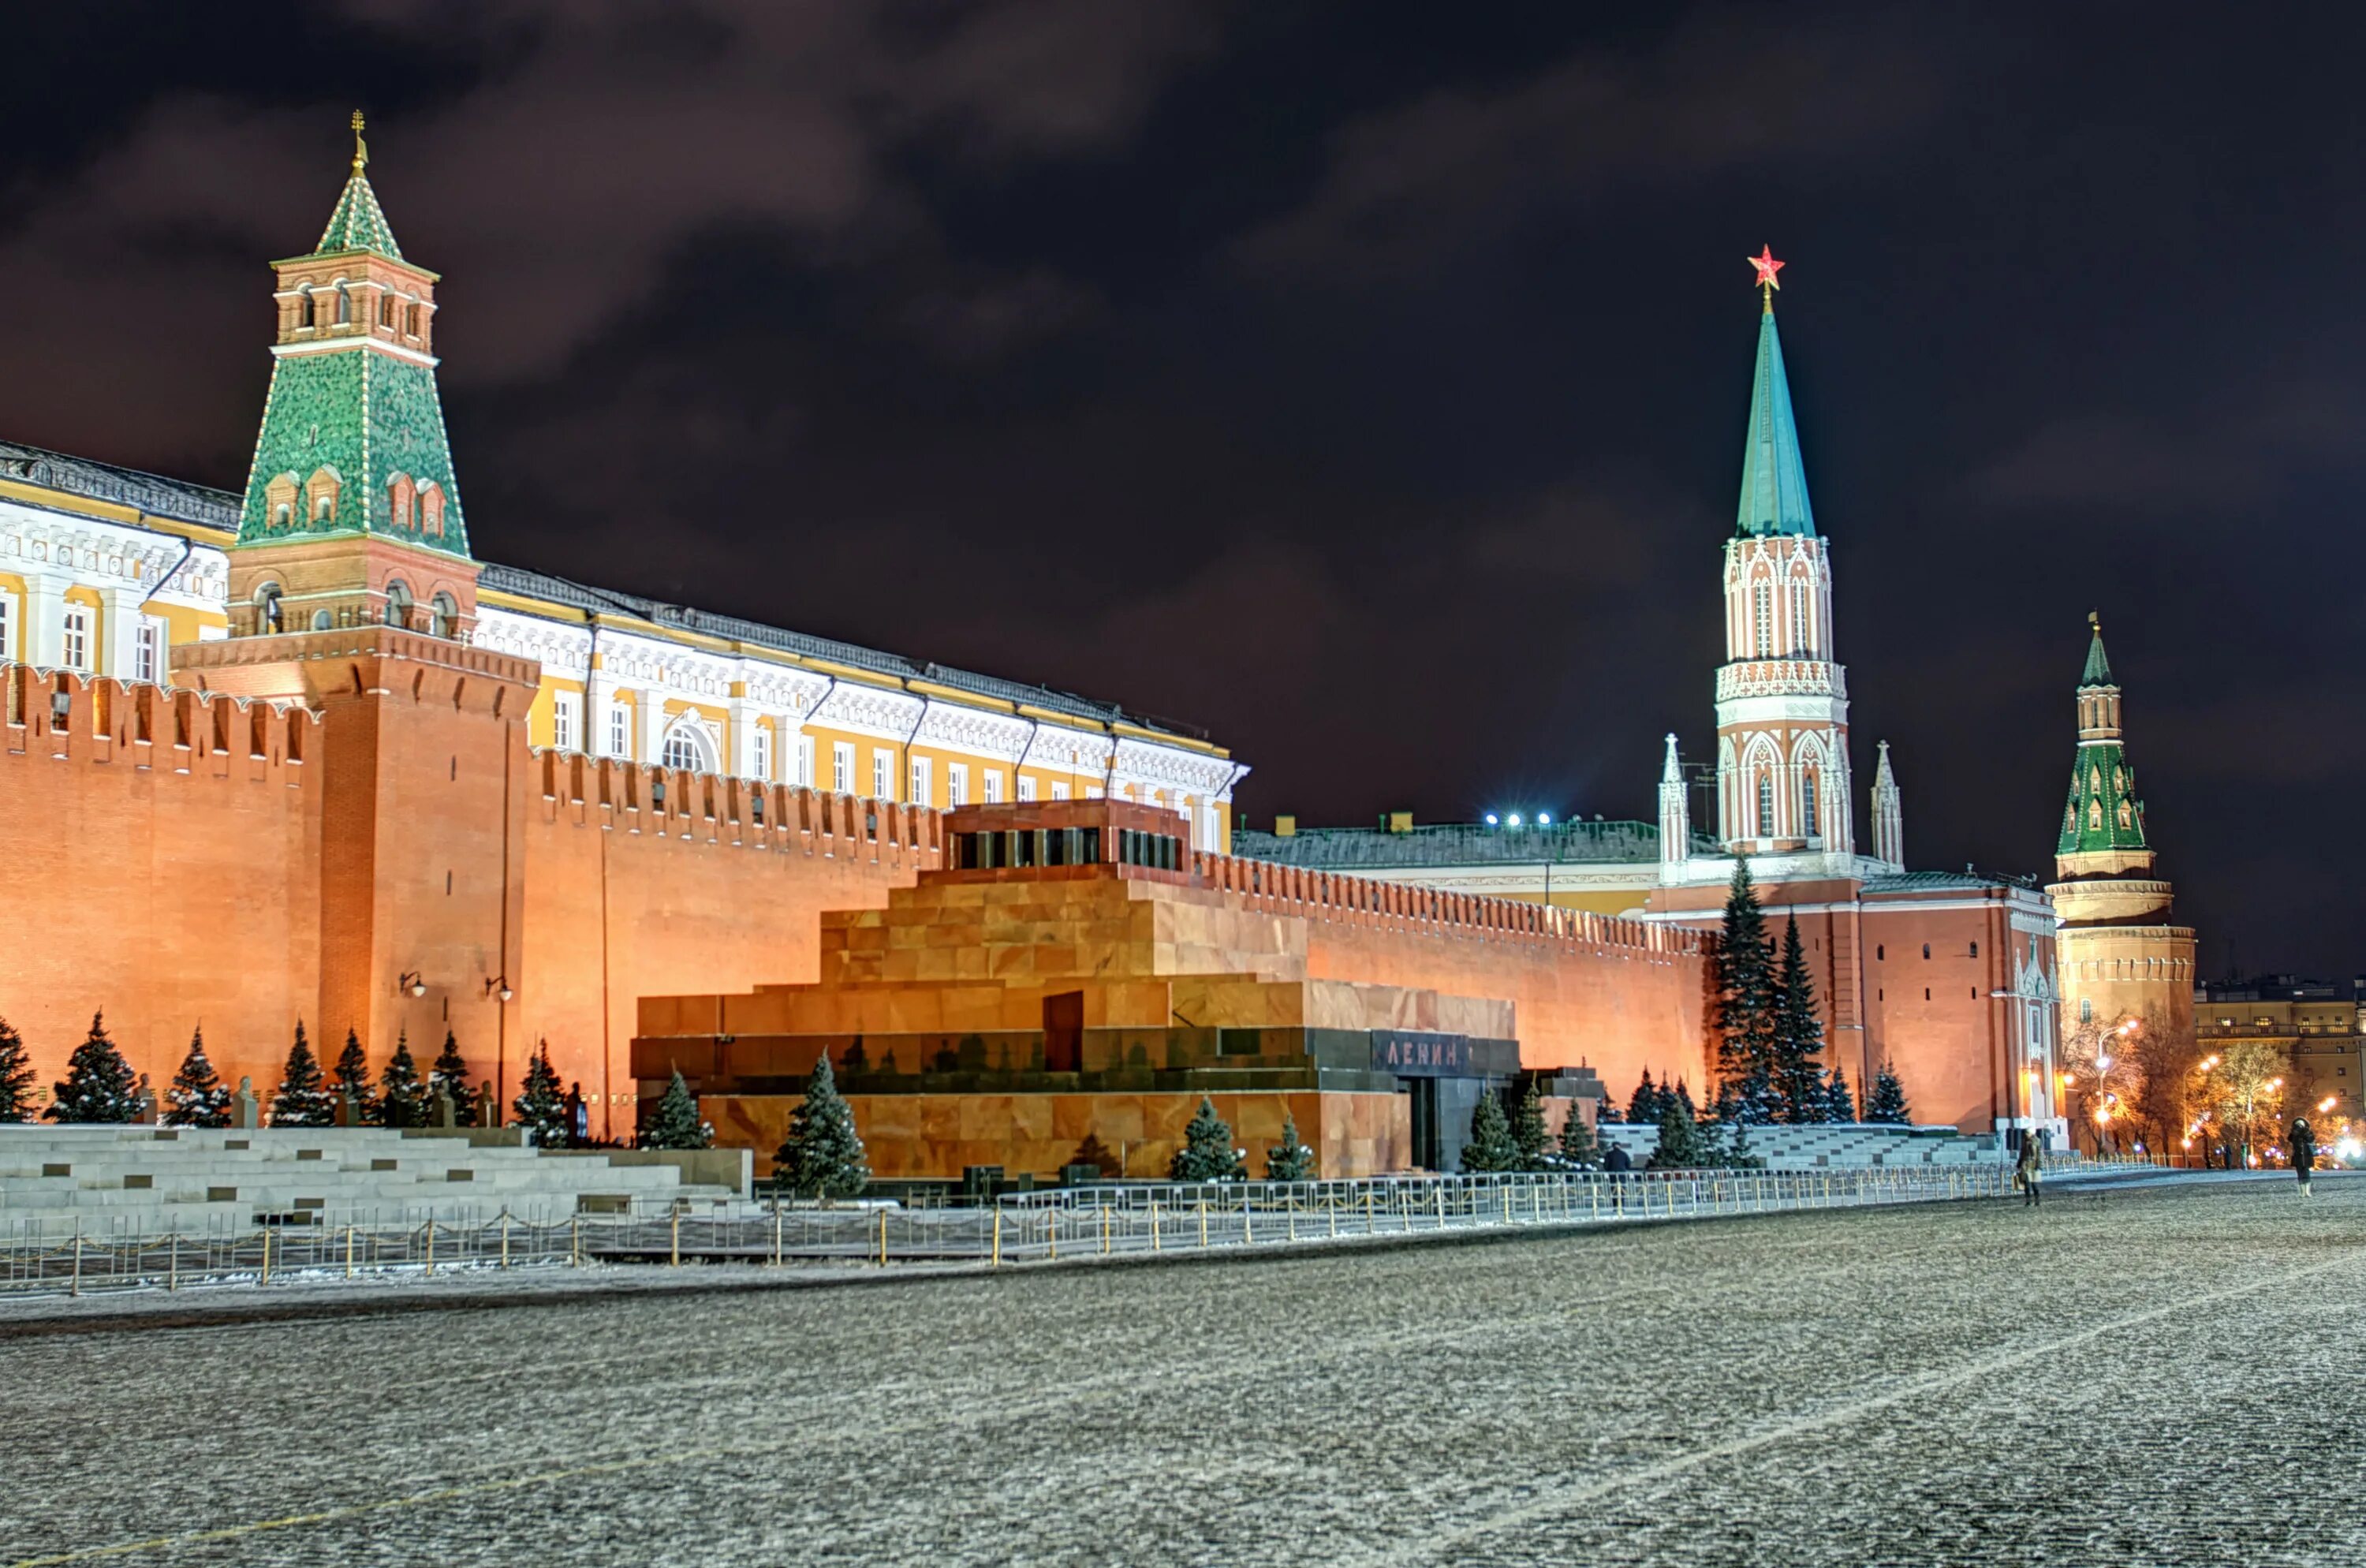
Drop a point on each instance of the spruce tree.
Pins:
(1206, 1154)
(401, 1101)
(353, 1079)
(1680, 1148)
(822, 1155)
(15, 1076)
(1798, 1037)
(1288, 1160)
(1579, 1148)
(1490, 1147)
(1744, 977)
(1531, 1140)
(1885, 1105)
(676, 1124)
(541, 1104)
(303, 1099)
(198, 1097)
(1843, 1106)
(1644, 1109)
(99, 1084)
(450, 1075)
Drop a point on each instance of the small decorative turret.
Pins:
(1676, 813)
(1889, 819)
(2103, 825)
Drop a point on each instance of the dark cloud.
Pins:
(1361, 383)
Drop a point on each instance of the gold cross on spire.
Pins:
(360, 148)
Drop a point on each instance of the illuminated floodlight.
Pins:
(1512, 820)
(1491, 819)
(1544, 818)
(2327, 1103)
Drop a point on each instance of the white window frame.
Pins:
(1059, 789)
(924, 781)
(620, 732)
(148, 650)
(566, 718)
(805, 763)
(73, 637)
(8, 625)
(956, 783)
(1026, 787)
(883, 773)
(841, 767)
(992, 783)
(760, 751)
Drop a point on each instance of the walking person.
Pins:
(2026, 1169)
(2303, 1152)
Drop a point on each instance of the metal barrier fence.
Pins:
(1036, 1227)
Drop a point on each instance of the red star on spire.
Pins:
(1767, 266)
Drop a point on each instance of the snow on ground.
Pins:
(2153, 1375)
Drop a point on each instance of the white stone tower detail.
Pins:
(1888, 820)
(1676, 813)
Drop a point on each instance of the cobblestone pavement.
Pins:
(2170, 1375)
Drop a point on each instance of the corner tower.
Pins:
(1782, 699)
(2120, 958)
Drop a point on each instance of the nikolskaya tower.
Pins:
(1782, 772)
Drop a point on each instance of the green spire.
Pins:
(2104, 812)
(2099, 668)
(1774, 483)
(357, 224)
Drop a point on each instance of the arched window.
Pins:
(266, 608)
(2094, 815)
(686, 748)
(385, 308)
(1766, 806)
(2128, 816)
(306, 315)
(410, 320)
(400, 497)
(1807, 805)
(431, 510)
(444, 616)
(1762, 617)
(398, 603)
(345, 305)
(2069, 820)
(1801, 640)
(321, 620)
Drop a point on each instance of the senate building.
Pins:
(303, 753)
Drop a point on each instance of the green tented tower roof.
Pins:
(1773, 481)
(357, 223)
(2099, 668)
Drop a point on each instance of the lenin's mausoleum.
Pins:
(303, 754)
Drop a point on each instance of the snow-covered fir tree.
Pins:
(1886, 1104)
(1288, 1160)
(1680, 1148)
(450, 1075)
(676, 1124)
(1490, 1147)
(1579, 1147)
(1206, 1154)
(98, 1085)
(302, 1099)
(16, 1075)
(1841, 1106)
(1743, 974)
(402, 1102)
(1798, 1038)
(822, 1156)
(198, 1097)
(541, 1105)
(1531, 1139)
(353, 1081)
(1643, 1110)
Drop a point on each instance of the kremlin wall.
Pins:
(302, 755)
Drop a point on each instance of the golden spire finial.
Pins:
(360, 148)
(2095, 619)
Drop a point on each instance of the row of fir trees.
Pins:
(1770, 1039)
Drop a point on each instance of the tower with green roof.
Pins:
(1782, 698)
(351, 515)
(2122, 960)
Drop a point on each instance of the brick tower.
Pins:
(1782, 699)
(2120, 958)
(351, 591)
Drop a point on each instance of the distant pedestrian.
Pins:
(1618, 1162)
(578, 1116)
(2303, 1152)
(2028, 1170)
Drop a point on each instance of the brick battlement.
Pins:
(1326, 896)
(676, 803)
(107, 720)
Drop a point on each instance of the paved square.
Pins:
(2158, 1376)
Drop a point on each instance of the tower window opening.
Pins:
(398, 603)
(444, 616)
(306, 314)
(1807, 805)
(1761, 618)
(345, 305)
(410, 320)
(1765, 806)
(1926, 950)
(385, 309)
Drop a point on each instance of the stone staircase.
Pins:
(136, 1180)
(1833, 1146)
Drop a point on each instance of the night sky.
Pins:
(1362, 383)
